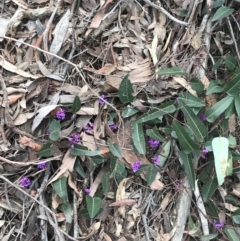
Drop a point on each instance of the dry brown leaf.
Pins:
(89, 142)
(67, 166)
(107, 237)
(68, 88)
(22, 118)
(123, 202)
(14, 98)
(25, 141)
(197, 41)
(56, 201)
(185, 84)
(232, 123)
(72, 184)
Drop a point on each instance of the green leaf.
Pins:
(129, 111)
(105, 182)
(197, 85)
(78, 150)
(236, 216)
(60, 187)
(93, 205)
(157, 112)
(188, 167)
(98, 159)
(212, 209)
(209, 188)
(217, 64)
(115, 150)
(214, 88)
(233, 86)
(237, 105)
(76, 104)
(232, 235)
(165, 153)
(46, 151)
(209, 237)
(120, 167)
(230, 62)
(230, 111)
(171, 71)
(154, 134)
(125, 91)
(222, 12)
(215, 111)
(220, 152)
(151, 174)
(191, 100)
(185, 141)
(67, 210)
(79, 169)
(138, 138)
(55, 130)
(196, 125)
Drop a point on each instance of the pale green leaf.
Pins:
(125, 91)
(171, 71)
(138, 138)
(93, 205)
(60, 187)
(222, 12)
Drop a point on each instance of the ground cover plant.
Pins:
(120, 120)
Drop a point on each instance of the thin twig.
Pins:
(165, 12)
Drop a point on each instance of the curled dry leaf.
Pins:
(25, 141)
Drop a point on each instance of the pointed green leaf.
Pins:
(157, 112)
(233, 86)
(222, 12)
(67, 210)
(138, 138)
(231, 62)
(237, 105)
(220, 152)
(93, 205)
(55, 130)
(60, 187)
(129, 111)
(236, 216)
(209, 188)
(185, 141)
(165, 153)
(76, 104)
(196, 125)
(212, 209)
(151, 174)
(217, 64)
(98, 159)
(232, 235)
(197, 85)
(214, 88)
(188, 167)
(215, 111)
(125, 91)
(191, 100)
(46, 151)
(171, 71)
(78, 150)
(154, 134)
(105, 182)
(209, 237)
(79, 169)
(114, 148)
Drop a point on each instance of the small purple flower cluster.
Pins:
(61, 114)
(89, 128)
(113, 127)
(202, 117)
(218, 225)
(74, 139)
(103, 100)
(42, 165)
(156, 160)
(204, 153)
(136, 165)
(88, 191)
(153, 143)
(25, 182)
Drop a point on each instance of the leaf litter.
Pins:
(85, 87)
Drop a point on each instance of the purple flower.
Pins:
(218, 225)
(204, 153)
(136, 165)
(156, 160)
(103, 100)
(113, 127)
(89, 128)
(60, 115)
(88, 191)
(202, 117)
(74, 139)
(25, 182)
(176, 101)
(42, 165)
(153, 143)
